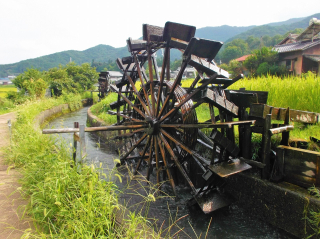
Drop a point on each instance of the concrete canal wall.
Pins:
(56, 111)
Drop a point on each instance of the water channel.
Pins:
(228, 222)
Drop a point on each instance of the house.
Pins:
(301, 53)
(189, 72)
(5, 81)
(115, 75)
(243, 58)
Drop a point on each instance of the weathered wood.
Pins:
(93, 129)
(75, 139)
(228, 168)
(244, 98)
(225, 143)
(220, 102)
(252, 162)
(281, 129)
(261, 110)
(206, 67)
(300, 166)
(83, 148)
(266, 147)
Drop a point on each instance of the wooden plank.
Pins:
(213, 201)
(261, 110)
(228, 168)
(262, 96)
(206, 67)
(225, 143)
(242, 99)
(281, 129)
(220, 102)
(300, 166)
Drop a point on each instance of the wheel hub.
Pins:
(153, 126)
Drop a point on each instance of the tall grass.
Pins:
(100, 109)
(65, 203)
(296, 92)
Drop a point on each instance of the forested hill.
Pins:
(273, 29)
(221, 33)
(101, 53)
(105, 53)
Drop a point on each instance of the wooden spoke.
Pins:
(186, 99)
(180, 144)
(143, 86)
(176, 161)
(164, 63)
(127, 135)
(138, 94)
(130, 103)
(133, 147)
(156, 151)
(149, 171)
(194, 83)
(176, 82)
(166, 165)
(153, 103)
(123, 115)
(142, 155)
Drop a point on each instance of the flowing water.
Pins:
(228, 222)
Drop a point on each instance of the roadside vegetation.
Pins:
(63, 201)
(33, 84)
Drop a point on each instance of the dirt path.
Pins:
(11, 204)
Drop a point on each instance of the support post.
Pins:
(83, 151)
(76, 125)
(266, 147)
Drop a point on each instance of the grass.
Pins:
(64, 202)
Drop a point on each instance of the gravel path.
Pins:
(11, 203)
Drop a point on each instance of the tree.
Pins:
(263, 61)
(233, 50)
(31, 81)
(29, 74)
(230, 52)
(71, 78)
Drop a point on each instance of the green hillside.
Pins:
(275, 29)
(102, 53)
(221, 33)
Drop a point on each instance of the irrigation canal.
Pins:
(229, 222)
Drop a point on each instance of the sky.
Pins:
(34, 28)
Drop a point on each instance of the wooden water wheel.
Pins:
(159, 118)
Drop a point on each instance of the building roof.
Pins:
(243, 58)
(315, 58)
(289, 39)
(311, 31)
(297, 46)
(115, 74)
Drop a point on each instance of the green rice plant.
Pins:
(296, 92)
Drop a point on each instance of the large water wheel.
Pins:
(160, 127)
